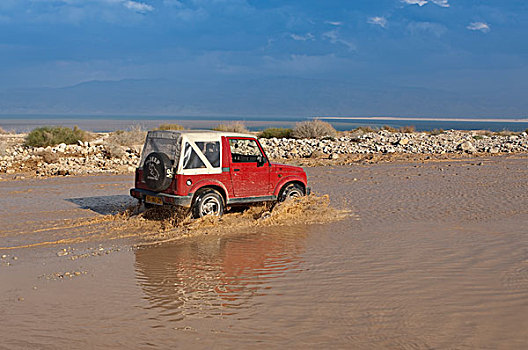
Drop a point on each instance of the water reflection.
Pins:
(216, 276)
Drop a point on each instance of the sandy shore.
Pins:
(431, 255)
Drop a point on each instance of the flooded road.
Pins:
(432, 255)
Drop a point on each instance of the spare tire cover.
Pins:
(157, 171)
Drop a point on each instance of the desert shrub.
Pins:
(134, 136)
(170, 127)
(53, 135)
(3, 148)
(389, 128)
(408, 129)
(477, 137)
(313, 129)
(436, 132)
(113, 150)
(2, 131)
(364, 129)
(280, 133)
(232, 127)
(505, 133)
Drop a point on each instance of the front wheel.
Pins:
(208, 202)
(291, 191)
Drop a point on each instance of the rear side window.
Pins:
(191, 159)
(244, 150)
(211, 151)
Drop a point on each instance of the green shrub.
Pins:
(170, 127)
(232, 127)
(280, 133)
(313, 129)
(478, 137)
(54, 135)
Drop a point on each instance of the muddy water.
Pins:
(431, 256)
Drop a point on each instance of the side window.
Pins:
(191, 159)
(211, 150)
(244, 150)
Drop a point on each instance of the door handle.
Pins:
(236, 169)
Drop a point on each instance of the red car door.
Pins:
(249, 168)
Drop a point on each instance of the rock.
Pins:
(80, 143)
(316, 154)
(467, 146)
(404, 141)
(494, 150)
(334, 156)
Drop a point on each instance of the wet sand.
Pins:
(432, 255)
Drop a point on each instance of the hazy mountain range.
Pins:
(266, 97)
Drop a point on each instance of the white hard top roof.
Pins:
(194, 133)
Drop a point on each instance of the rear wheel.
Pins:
(208, 202)
(290, 191)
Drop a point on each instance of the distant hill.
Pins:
(265, 97)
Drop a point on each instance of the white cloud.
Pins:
(482, 26)
(308, 36)
(334, 23)
(138, 6)
(380, 21)
(333, 37)
(441, 3)
(415, 2)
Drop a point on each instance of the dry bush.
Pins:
(389, 128)
(2, 131)
(170, 127)
(364, 129)
(3, 148)
(408, 129)
(232, 127)
(313, 129)
(134, 136)
(506, 133)
(435, 132)
(54, 135)
(280, 133)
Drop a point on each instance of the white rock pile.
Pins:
(395, 142)
(83, 158)
(100, 156)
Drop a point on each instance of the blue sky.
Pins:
(461, 47)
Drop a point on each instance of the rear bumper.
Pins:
(183, 201)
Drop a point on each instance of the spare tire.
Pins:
(157, 171)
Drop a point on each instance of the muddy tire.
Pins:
(208, 202)
(291, 191)
(157, 171)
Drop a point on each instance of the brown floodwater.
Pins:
(426, 256)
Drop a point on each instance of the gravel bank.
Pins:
(101, 156)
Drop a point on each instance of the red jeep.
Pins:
(209, 170)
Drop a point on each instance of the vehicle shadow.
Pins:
(104, 205)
